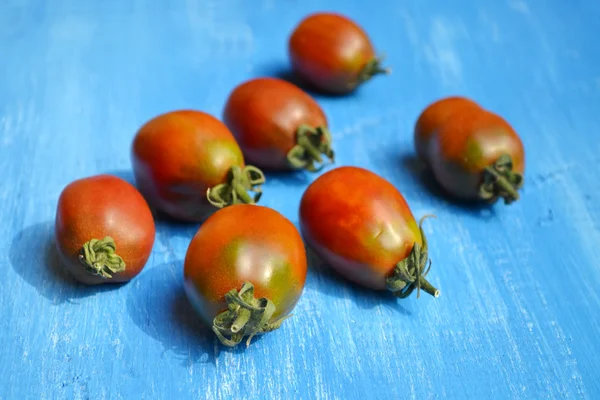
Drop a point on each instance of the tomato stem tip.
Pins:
(499, 180)
(245, 316)
(235, 190)
(99, 258)
(310, 144)
(409, 274)
(372, 68)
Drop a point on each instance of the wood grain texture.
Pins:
(518, 315)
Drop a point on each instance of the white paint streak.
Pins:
(441, 50)
(365, 125)
(210, 24)
(519, 6)
(491, 26)
(409, 26)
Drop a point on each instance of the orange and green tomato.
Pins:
(245, 243)
(359, 224)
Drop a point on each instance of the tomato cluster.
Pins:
(245, 268)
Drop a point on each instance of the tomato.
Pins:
(244, 271)
(475, 154)
(332, 53)
(360, 225)
(277, 125)
(434, 116)
(187, 162)
(104, 230)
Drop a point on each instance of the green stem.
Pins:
(428, 287)
(241, 320)
(235, 189)
(99, 257)
(409, 274)
(310, 144)
(245, 316)
(499, 180)
(372, 67)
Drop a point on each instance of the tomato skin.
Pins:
(467, 144)
(264, 115)
(359, 224)
(434, 116)
(329, 51)
(177, 156)
(243, 243)
(100, 206)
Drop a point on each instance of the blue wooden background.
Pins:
(519, 315)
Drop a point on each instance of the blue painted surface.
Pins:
(519, 312)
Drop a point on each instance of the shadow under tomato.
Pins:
(284, 72)
(296, 178)
(160, 218)
(425, 179)
(34, 257)
(159, 307)
(333, 284)
(172, 227)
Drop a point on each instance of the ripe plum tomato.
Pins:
(277, 125)
(104, 230)
(187, 162)
(473, 152)
(332, 53)
(360, 225)
(244, 271)
(433, 118)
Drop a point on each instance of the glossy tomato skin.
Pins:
(359, 224)
(329, 51)
(434, 116)
(100, 206)
(468, 143)
(264, 115)
(245, 243)
(178, 156)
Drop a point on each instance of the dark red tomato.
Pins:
(434, 116)
(360, 225)
(187, 162)
(476, 155)
(277, 125)
(104, 230)
(332, 53)
(244, 271)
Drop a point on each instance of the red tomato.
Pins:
(474, 154)
(245, 271)
(277, 125)
(435, 116)
(104, 230)
(187, 162)
(333, 53)
(360, 225)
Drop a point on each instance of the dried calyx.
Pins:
(311, 144)
(409, 274)
(499, 180)
(235, 189)
(372, 67)
(99, 258)
(245, 316)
